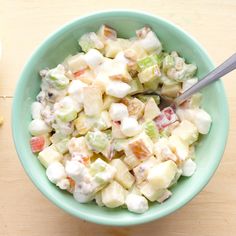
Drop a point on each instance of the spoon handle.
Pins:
(218, 72)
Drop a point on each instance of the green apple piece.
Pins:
(93, 102)
(161, 175)
(150, 192)
(151, 110)
(187, 132)
(141, 171)
(49, 155)
(113, 195)
(171, 90)
(123, 176)
(97, 141)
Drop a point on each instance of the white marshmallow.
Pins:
(55, 172)
(76, 170)
(130, 127)
(63, 184)
(117, 89)
(38, 127)
(118, 111)
(84, 192)
(136, 203)
(188, 168)
(202, 120)
(36, 109)
(93, 58)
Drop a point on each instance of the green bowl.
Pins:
(64, 42)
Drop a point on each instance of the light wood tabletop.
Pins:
(23, 209)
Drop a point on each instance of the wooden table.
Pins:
(23, 209)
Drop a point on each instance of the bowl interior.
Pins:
(64, 42)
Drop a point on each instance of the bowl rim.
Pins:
(84, 215)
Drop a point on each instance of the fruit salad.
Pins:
(100, 137)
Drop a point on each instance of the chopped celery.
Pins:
(57, 79)
(97, 141)
(151, 130)
(148, 61)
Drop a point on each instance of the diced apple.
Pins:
(49, 155)
(141, 146)
(84, 123)
(186, 131)
(93, 102)
(122, 175)
(113, 195)
(132, 161)
(151, 43)
(76, 62)
(171, 90)
(163, 151)
(151, 110)
(150, 192)
(161, 175)
(149, 74)
(136, 87)
(98, 199)
(62, 146)
(108, 100)
(78, 145)
(164, 196)
(104, 122)
(37, 143)
(135, 106)
(180, 148)
(141, 171)
(106, 32)
(116, 131)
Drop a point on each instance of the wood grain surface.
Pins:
(23, 209)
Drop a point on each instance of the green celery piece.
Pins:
(97, 141)
(58, 81)
(150, 61)
(151, 130)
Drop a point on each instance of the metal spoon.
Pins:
(217, 73)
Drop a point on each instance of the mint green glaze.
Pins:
(63, 42)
